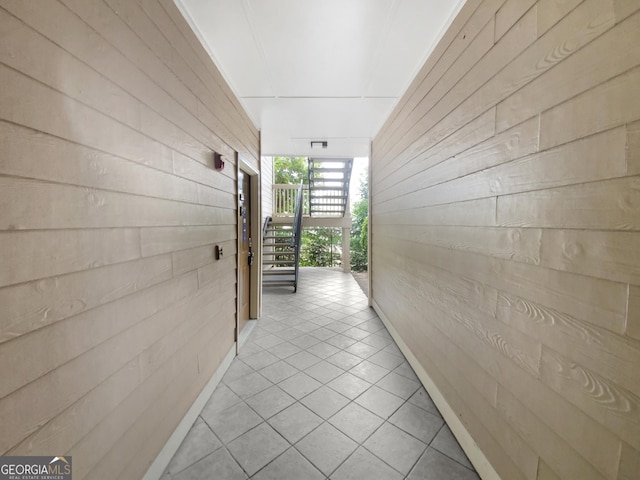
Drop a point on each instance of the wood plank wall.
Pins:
(506, 232)
(113, 313)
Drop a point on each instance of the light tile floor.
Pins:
(319, 390)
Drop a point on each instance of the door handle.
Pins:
(250, 258)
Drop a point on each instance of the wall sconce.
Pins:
(319, 144)
(218, 163)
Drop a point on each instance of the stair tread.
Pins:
(316, 197)
(329, 169)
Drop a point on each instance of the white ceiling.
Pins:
(319, 69)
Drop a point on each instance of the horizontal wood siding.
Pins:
(113, 312)
(505, 213)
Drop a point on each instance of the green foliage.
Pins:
(290, 170)
(320, 247)
(364, 234)
(360, 228)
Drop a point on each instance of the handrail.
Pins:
(297, 234)
(267, 221)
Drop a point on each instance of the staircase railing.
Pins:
(265, 225)
(284, 200)
(297, 233)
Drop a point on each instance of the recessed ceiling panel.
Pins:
(226, 33)
(416, 27)
(330, 44)
(308, 69)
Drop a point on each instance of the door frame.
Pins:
(256, 236)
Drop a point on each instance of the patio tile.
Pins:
(326, 448)
(338, 326)
(324, 371)
(341, 341)
(422, 399)
(344, 360)
(446, 443)
(260, 360)
(366, 314)
(405, 370)
(257, 447)
(233, 422)
(386, 360)
(352, 320)
(393, 348)
(217, 465)
(363, 465)
(199, 442)
(433, 465)
(362, 350)
(237, 369)
(249, 385)
(248, 349)
(324, 402)
(268, 341)
(322, 333)
(369, 371)
(382, 403)
(299, 385)
(270, 401)
(295, 422)
(364, 393)
(398, 385)
(289, 466)
(273, 326)
(356, 333)
(321, 320)
(349, 385)
(372, 325)
(395, 447)
(377, 340)
(276, 372)
(356, 422)
(222, 398)
(289, 333)
(323, 350)
(417, 422)
(284, 350)
(337, 314)
(302, 360)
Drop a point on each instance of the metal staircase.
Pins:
(281, 249)
(328, 200)
(329, 186)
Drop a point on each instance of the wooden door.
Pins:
(245, 251)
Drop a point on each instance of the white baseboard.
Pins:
(476, 456)
(159, 465)
(244, 333)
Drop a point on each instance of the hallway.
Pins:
(319, 390)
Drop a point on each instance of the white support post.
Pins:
(346, 249)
